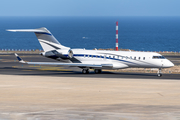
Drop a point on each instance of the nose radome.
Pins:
(171, 64)
(168, 64)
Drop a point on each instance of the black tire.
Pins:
(159, 75)
(97, 71)
(84, 71)
(87, 71)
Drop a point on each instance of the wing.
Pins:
(65, 64)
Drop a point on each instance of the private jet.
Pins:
(93, 59)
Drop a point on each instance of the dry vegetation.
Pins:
(173, 70)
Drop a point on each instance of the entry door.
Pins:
(162, 62)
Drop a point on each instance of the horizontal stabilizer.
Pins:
(38, 30)
(26, 30)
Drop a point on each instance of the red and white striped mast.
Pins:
(117, 36)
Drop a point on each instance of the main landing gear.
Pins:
(159, 73)
(97, 71)
(86, 71)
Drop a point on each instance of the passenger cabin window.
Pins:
(139, 58)
(143, 58)
(135, 58)
(158, 57)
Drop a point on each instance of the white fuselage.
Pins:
(121, 59)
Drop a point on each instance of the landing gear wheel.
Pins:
(85, 71)
(159, 74)
(97, 71)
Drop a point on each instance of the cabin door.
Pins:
(162, 62)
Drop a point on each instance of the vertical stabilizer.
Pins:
(46, 39)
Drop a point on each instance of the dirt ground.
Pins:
(44, 98)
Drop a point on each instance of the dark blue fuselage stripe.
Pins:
(94, 56)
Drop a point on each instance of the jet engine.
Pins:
(63, 54)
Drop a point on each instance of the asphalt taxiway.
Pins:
(9, 65)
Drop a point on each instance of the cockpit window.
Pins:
(158, 57)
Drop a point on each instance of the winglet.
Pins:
(20, 60)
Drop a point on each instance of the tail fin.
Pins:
(46, 39)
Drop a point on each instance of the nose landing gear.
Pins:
(159, 73)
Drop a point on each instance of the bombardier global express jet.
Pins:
(93, 59)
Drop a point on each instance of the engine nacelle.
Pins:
(64, 54)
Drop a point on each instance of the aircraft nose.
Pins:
(168, 64)
(171, 64)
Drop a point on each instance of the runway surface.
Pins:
(9, 65)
